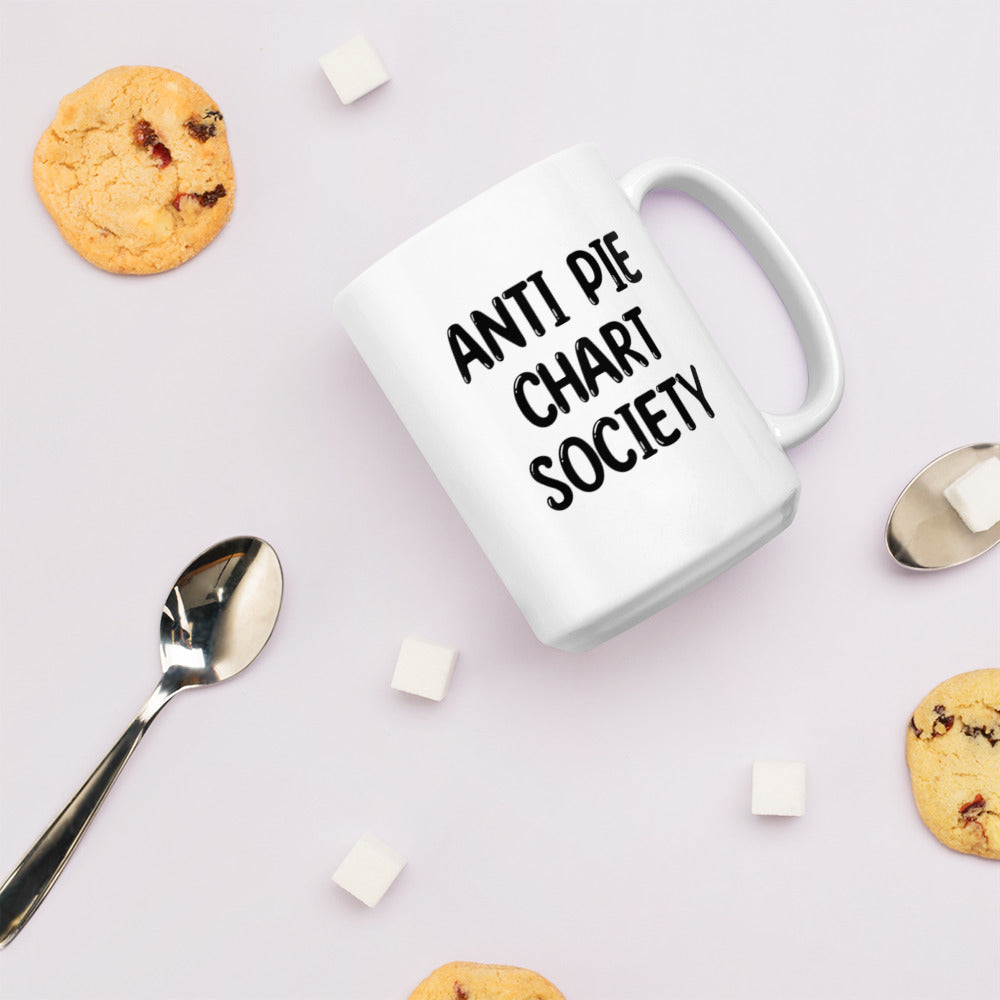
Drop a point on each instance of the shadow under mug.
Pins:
(572, 404)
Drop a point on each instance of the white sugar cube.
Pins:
(424, 668)
(976, 495)
(354, 69)
(369, 869)
(779, 788)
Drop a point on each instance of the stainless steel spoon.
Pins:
(924, 530)
(215, 621)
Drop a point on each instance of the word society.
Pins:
(621, 347)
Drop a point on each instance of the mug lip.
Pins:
(401, 248)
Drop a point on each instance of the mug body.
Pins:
(572, 404)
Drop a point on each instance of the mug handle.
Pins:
(824, 365)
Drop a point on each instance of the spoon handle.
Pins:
(31, 880)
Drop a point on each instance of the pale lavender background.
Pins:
(584, 815)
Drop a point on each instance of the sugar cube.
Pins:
(354, 69)
(424, 668)
(369, 869)
(976, 495)
(779, 788)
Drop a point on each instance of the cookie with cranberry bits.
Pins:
(953, 752)
(135, 170)
(473, 981)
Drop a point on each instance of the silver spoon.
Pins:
(215, 621)
(924, 530)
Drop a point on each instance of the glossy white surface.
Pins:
(803, 302)
(569, 399)
(583, 815)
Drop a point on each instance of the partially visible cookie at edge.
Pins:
(135, 170)
(475, 981)
(953, 753)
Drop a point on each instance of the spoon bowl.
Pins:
(221, 611)
(924, 532)
(216, 619)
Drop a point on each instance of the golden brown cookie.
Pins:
(135, 170)
(953, 752)
(472, 981)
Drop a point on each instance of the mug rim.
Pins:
(400, 248)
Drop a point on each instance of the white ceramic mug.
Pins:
(570, 401)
